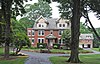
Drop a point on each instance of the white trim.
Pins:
(32, 32)
(41, 40)
(34, 40)
(41, 33)
(29, 31)
(40, 17)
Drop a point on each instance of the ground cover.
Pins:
(12, 59)
(86, 59)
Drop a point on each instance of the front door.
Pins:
(51, 42)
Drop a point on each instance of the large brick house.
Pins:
(49, 30)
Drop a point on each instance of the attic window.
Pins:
(59, 25)
(63, 25)
(39, 25)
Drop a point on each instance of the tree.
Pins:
(66, 36)
(19, 37)
(8, 11)
(34, 11)
(67, 11)
(84, 28)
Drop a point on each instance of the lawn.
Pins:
(86, 59)
(15, 60)
(96, 49)
(12, 60)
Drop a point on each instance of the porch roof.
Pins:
(50, 36)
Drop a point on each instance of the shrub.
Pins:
(80, 48)
(41, 45)
(56, 46)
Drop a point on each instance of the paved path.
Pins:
(43, 58)
(40, 58)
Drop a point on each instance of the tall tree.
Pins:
(8, 11)
(35, 10)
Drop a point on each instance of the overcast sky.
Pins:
(55, 13)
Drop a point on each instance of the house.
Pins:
(86, 41)
(49, 30)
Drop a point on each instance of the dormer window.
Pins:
(63, 25)
(59, 25)
(39, 25)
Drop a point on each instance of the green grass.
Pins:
(17, 60)
(96, 49)
(86, 59)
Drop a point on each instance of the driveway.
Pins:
(43, 58)
(40, 58)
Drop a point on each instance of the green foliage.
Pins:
(34, 11)
(41, 45)
(66, 36)
(84, 29)
(56, 46)
(19, 36)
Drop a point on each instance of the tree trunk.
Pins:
(75, 32)
(6, 5)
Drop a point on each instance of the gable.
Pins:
(41, 20)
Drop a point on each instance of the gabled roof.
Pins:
(40, 18)
(51, 23)
(86, 36)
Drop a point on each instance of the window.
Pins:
(60, 41)
(59, 25)
(40, 40)
(51, 31)
(39, 25)
(41, 32)
(63, 25)
(32, 40)
(29, 32)
(32, 32)
(60, 32)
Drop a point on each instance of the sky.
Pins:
(55, 13)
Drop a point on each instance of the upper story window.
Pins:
(59, 25)
(60, 32)
(29, 32)
(41, 32)
(63, 25)
(41, 25)
(32, 32)
(51, 31)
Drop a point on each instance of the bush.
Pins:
(56, 46)
(80, 48)
(41, 45)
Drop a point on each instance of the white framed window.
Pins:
(32, 40)
(51, 31)
(40, 40)
(60, 32)
(60, 41)
(29, 32)
(32, 32)
(40, 32)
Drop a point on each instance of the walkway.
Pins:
(43, 58)
(39, 58)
